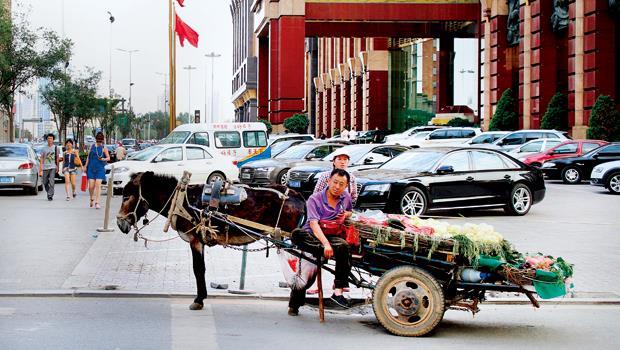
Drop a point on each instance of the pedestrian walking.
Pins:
(98, 156)
(71, 160)
(344, 135)
(352, 134)
(120, 152)
(50, 157)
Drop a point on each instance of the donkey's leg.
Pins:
(199, 273)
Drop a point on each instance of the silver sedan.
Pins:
(19, 167)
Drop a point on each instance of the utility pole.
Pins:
(165, 84)
(211, 55)
(130, 52)
(110, 54)
(189, 69)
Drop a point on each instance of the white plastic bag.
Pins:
(298, 273)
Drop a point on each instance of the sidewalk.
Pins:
(115, 263)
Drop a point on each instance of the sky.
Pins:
(143, 25)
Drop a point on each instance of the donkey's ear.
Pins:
(136, 178)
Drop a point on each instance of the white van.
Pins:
(244, 141)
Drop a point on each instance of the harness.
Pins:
(202, 218)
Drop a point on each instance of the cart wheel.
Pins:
(408, 301)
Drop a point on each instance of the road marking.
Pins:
(7, 311)
(192, 329)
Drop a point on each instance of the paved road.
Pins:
(85, 323)
(51, 245)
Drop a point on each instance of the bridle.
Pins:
(134, 213)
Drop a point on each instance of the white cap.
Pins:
(340, 152)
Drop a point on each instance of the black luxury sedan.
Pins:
(574, 169)
(427, 179)
(303, 178)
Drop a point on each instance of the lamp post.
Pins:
(110, 54)
(211, 55)
(165, 89)
(189, 69)
(467, 98)
(130, 52)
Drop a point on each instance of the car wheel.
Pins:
(282, 178)
(613, 183)
(216, 176)
(413, 202)
(571, 175)
(520, 200)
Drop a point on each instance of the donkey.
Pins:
(148, 191)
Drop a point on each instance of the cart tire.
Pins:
(408, 301)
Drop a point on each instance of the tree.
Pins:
(24, 55)
(159, 124)
(267, 124)
(298, 123)
(415, 117)
(183, 118)
(459, 122)
(506, 117)
(604, 120)
(556, 115)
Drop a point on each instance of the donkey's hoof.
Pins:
(196, 306)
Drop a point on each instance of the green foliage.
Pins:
(604, 120)
(297, 123)
(416, 117)
(506, 117)
(267, 124)
(160, 124)
(183, 118)
(459, 122)
(556, 116)
(336, 132)
(26, 54)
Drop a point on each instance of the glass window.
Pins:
(551, 136)
(568, 148)
(175, 137)
(254, 139)
(295, 152)
(529, 136)
(200, 138)
(146, 154)
(227, 139)
(587, 147)
(174, 154)
(414, 161)
(12, 151)
(611, 149)
(513, 139)
(322, 151)
(397, 151)
(532, 147)
(551, 143)
(487, 161)
(454, 134)
(194, 153)
(468, 133)
(379, 156)
(438, 135)
(459, 161)
(480, 139)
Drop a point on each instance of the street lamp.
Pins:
(165, 89)
(110, 54)
(130, 52)
(211, 55)
(189, 69)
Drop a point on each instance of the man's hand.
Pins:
(328, 252)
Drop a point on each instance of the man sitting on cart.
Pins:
(320, 235)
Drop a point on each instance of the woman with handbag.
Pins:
(71, 160)
(322, 235)
(98, 157)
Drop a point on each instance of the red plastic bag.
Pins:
(298, 273)
(84, 183)
(352, 236)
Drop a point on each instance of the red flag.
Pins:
(185, 32)
(181, 2)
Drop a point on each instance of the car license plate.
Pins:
(6, 179)
(246, 176)
(294, 183)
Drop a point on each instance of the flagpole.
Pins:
(172, 68)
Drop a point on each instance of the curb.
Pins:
(86, 293)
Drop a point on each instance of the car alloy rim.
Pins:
(614, 183)
(521, 200)
(412, 203)
(571, 175)
(216, 178)
(284, 179)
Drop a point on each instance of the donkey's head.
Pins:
(134, 205)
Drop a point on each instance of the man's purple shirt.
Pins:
(318, 208)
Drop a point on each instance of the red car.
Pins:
(570, 148)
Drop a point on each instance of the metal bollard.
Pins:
(242, 289)
(106, 216)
